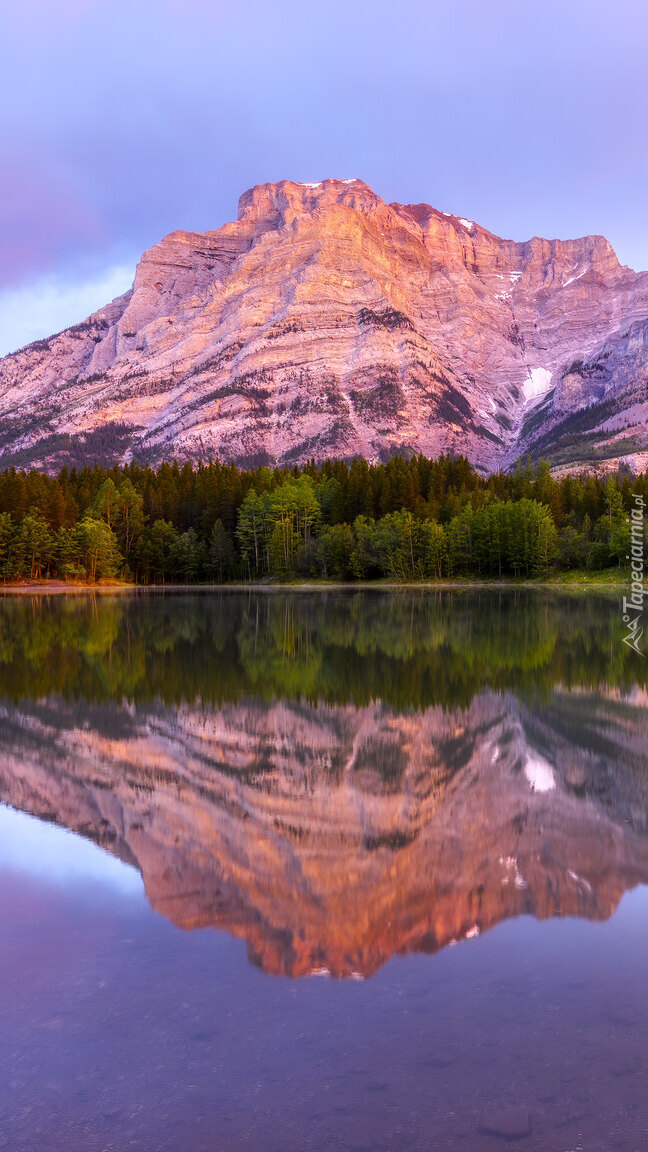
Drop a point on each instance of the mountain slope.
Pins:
(325, 322)
(334, 837)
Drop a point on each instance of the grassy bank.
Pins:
(608, 579)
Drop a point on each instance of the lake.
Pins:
(352, 871)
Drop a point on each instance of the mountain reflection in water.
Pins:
(337, 777)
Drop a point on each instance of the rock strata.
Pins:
(330, 837)
(325, 322)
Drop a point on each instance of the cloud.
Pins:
(129, 121)
(42, 214)
(52, 303)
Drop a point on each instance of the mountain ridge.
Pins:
(331, 837)
(325, 322)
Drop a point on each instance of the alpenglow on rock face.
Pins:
(331, 837)
(327, 323)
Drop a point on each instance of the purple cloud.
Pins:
(130, 120)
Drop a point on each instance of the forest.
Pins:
(404, 520)
(408, 648)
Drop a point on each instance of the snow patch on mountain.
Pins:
(360, 339)
(536, 385)
(539, 773)
(572, 279)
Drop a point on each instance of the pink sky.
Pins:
(123, 121)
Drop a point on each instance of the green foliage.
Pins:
(33, 545)
(222, 561)
(406, 520)
(106, 502)
(188, 557)
(97, 548)
(155, 551)
(8, 556)
(410, 648)
(334, 551)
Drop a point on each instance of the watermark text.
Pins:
(633, 604)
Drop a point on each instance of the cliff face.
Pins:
(330, 837)
(325, 322)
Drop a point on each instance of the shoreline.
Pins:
(60, 588)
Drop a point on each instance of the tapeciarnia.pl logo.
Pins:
(633, 605)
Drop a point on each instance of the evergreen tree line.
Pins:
(415, 519)
(409, 648)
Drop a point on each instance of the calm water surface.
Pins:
(341, 871)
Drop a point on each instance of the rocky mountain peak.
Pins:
(325, 322)
(273, 821)
(266, 201)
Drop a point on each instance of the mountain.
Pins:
(330, 837)
(324, 322)
(336, 778)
